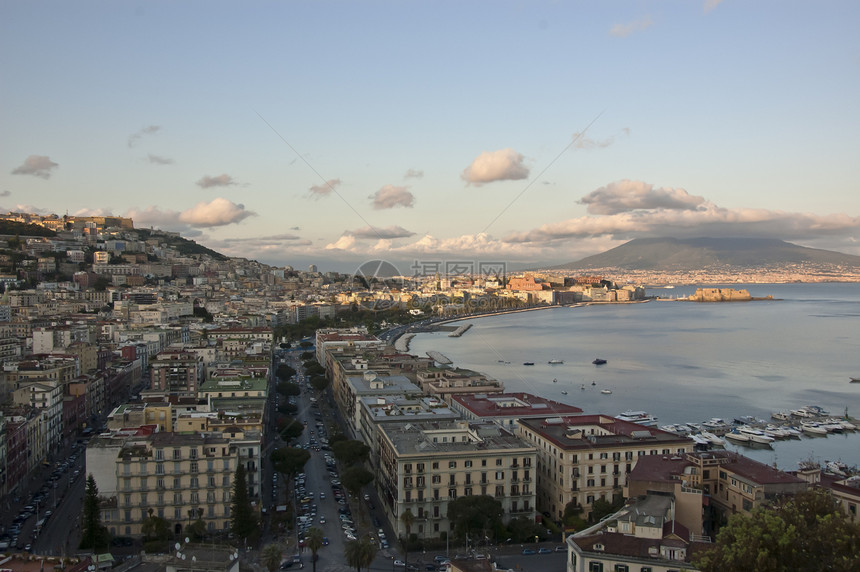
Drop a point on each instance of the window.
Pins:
(436, 479)
(435, 464)
(452, 494)
(159, 454)
(595, 567)
(621, 568)
(452, 464)
(468, 464)
(177, 454)
(498, 462)
(159, 468)
(604, 456)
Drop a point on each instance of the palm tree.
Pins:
(272, 555)
(314, 541)
(360, 553)
(407, 518)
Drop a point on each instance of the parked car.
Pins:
(545, 550)
(528, 551)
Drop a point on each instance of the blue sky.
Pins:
(338, 132)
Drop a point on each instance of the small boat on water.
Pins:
(606, 391)
(564, 393)
(854, 380)
(528, 363)
(737, 437)
(599, 361)
(781, 415)
(583, 387)
(554, 380)
(813, 429)
(640, 417)
(755, 435)
(714, 440)
(555, 361)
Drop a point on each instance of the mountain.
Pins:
(673, 254)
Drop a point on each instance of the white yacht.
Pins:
(755, 435)
(737, 437)
(640, 417)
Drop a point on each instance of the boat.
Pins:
(700, 440)
(781, 415)
(599, 361)
(737, 437)
(640, 417)
(713, 438)
(854, 380)
(606, 391)
(555, 361)
(555, 380)
(564, 393)
(528, 363)
(583, 387)
(593, 383)
(813, 429)
(715, 424)
(755, 435)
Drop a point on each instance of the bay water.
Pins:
(685, 361)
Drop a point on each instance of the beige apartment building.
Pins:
(424, 465)
(584, 458)
(180, 477)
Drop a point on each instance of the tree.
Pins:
(319, 382)
(602, 507)
(474, 512)
(360, 553)
(806, 531)
(349, 451)
(290, 428)
(288, 388)
(155, 527)
(285, 372)
(314, 368)
(243, 521)
(94, 534)
(304, 356)
(289, 460)
(305, 345)
(407, 518)
(571, 517)
(272, 556)
(314, 541)
(355, 478)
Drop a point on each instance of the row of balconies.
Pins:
(466, 484)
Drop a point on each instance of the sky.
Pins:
(525, 132)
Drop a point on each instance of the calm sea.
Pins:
(683, 361)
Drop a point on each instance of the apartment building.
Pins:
(177, 372)
(588, 457)
(506, 409)
(181, 477)
(425, 465)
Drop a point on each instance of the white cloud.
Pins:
(217, 212)
(490, 166)
(157, 160)
(624, 30)
(135, 138)
(324, 189)
(223, 180)
(390, 196)
(381, 233)
(345, 242)
(37, 166)
(626, 195)
(633, 209)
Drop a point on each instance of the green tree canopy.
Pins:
(285, 372)
(354, 478)
(360, 553)
(304, 356)
(289, 460)
(289, 428)
(319, 382)
(94, 534)
(288, 388)
(349, 451)
(272, 556)
(806, 531)
(313, 368)
(314, 541)
(243, 521)
(155, 527)
(474, 513)
(306, 345)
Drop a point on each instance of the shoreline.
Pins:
(408, 335)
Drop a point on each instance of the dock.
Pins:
(439, 358)
(460, 331)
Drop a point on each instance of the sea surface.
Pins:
(685, 361)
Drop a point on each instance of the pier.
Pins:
(439, 358)
(460, 331)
